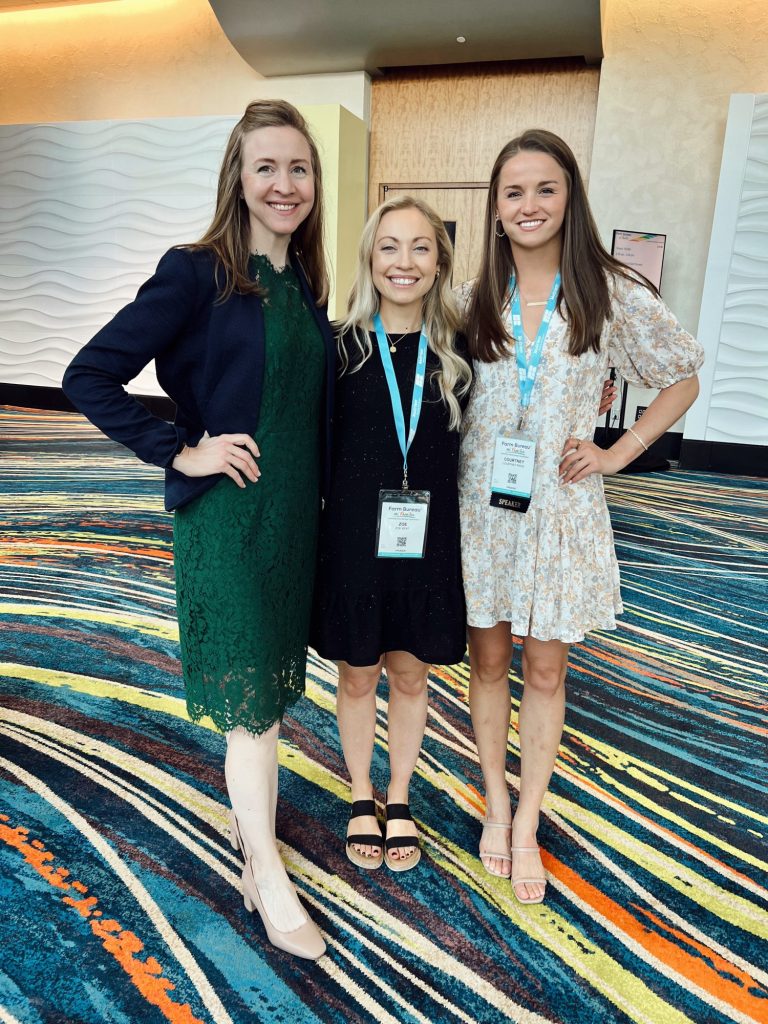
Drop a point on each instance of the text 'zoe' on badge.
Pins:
(512, 478)
(401, 531)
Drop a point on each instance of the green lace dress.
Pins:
(245, 558)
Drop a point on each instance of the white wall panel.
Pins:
(86, 210)
(733, 325)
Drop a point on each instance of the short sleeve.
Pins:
(646, 343)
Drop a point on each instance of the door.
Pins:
(460, 205)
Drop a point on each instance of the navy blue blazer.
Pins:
(209, 358)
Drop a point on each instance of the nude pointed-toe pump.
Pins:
(304, 941)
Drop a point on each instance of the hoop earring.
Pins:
(503, 232)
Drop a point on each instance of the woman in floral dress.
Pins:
(550, 311)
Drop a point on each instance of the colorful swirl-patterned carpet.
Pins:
(121, 895)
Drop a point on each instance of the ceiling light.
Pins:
(461, 39)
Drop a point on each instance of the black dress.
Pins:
(365, 606)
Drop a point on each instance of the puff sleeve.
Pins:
(646, 343)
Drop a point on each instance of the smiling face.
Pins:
(278, 185)
(531, 200)
(403, 266)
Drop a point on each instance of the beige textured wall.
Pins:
(447, 124)
(139, 58)
(670, 67)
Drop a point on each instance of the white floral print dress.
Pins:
(552, 571)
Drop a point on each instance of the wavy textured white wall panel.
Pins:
(86, 210)
(733, 325)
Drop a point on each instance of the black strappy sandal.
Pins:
(359, 809)
(401, 812)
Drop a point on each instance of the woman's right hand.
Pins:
(607, 398)
(231, 454)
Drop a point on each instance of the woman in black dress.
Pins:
(388, 597)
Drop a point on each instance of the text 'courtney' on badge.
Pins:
(512, 478)
(401, 531)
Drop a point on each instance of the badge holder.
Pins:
(512, 478)
(401, 527)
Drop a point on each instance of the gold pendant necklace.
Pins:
(393, 344)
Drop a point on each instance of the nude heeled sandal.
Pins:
(528, 880)
(488, 856)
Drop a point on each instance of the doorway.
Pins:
(460, 204)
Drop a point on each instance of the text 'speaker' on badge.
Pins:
(512, 477)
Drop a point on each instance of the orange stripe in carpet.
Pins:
(708, 971)
(124, 946)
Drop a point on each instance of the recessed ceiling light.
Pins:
(461, 39)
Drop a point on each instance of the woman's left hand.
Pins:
(582, 458)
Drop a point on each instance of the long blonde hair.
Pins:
(229, 233)
(439, 310)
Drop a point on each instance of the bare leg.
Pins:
(407, 678)
(490, 654)
(542, 712)
(251, 772)
(356, 714)
(273, 804)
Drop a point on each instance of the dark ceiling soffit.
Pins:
(299, 37)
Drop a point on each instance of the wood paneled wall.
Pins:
(447, 124)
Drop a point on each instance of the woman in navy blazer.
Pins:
(234, 335)
(209, 358)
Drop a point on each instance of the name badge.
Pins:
(512, 479)
(401, 531)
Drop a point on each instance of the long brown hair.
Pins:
(439, 311)
(229, 233)
(585, 266)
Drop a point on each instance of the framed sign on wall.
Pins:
(461, 206)
(642, 251)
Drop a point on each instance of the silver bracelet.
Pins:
(637, 438)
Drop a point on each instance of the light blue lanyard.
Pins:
(394, 390)
(528, 368)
